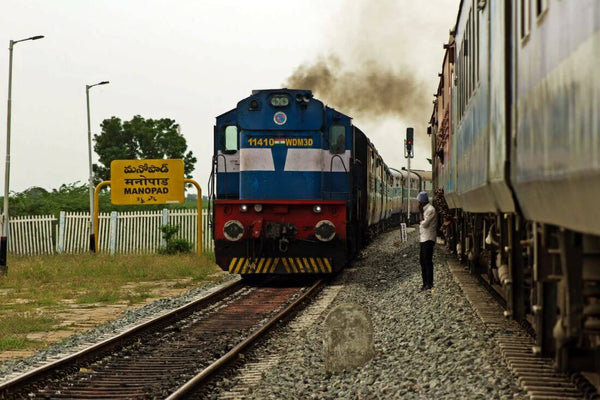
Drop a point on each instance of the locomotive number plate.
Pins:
(288, 142)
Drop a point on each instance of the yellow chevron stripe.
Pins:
(265, 262)
(302, 261)
(239, 265)
(300, 266)
(320, 262)
(232, 264)
(265, 269)
(261, 262)
(246, 268)
(274, 266)
(327, 263)
(285, 264)
(293, 265)
(307, 265)
(312, 262)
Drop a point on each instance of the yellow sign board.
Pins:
(147, 182)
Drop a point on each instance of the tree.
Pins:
(139, 139)
(71, 197)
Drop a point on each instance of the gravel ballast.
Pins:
(428, 345)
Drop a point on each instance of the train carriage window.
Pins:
(337, 139)
(231, 139)
(540, 7)
(524, 11)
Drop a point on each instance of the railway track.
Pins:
(172, 355)
(536, 375)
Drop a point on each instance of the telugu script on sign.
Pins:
(147, 181)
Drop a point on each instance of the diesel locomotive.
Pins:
(296, 188)
(516, 148)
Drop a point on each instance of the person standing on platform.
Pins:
(427, 236)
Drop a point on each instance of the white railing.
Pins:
(125, 232)
(31, 235)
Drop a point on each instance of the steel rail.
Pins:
(518, 356)
(193, 384)
(114, 341)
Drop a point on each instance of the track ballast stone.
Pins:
(428, 345)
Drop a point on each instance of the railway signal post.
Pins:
(408, 154)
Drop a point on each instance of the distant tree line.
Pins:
(39, 201)
(74, 197)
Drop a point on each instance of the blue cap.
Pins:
(422, 197)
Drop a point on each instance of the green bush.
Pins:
(175, 244)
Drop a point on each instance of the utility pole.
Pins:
(408, 154)
(4, 238)
(91, 177)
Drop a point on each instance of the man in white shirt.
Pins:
(427, 236)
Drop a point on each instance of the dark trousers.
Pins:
(426, 259)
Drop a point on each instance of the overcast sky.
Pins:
(191, 60)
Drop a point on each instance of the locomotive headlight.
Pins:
(317, 209)
(233, 230)
(258, 207)
(243, 208)
(325, 230)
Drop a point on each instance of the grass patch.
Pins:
(52, 282)
(181, 285)
(18, 343)
(98, 296)
(139, 296)
(24, 323)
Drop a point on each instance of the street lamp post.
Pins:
(91, 179)
(3, 239)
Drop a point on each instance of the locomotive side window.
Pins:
(231, 138)
(337, 139)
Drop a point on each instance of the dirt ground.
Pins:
(77, 318)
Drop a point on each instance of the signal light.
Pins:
(409, 138)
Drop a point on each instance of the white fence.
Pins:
(126, 232)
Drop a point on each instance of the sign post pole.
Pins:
(96, 194)
(199, 219)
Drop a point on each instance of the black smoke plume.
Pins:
(367, 90)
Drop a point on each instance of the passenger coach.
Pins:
(516, 149)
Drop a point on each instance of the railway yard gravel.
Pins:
(429, 345)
